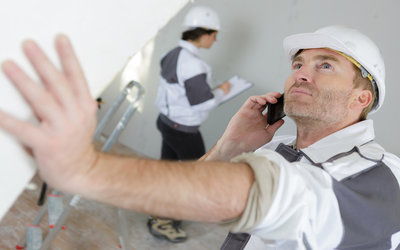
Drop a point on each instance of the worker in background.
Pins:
(185, 99)
(332, 186)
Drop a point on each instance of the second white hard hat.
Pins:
(202, 17)
(350, 42)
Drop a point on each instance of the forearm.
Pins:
(61, 145)
(207, 191)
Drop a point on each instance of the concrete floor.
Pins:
(92, 225)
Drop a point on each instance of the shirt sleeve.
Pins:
(200, 95)
(198, 90)
(266, 174)
(289, 201)
(194, 78)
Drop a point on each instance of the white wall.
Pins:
(250, 44)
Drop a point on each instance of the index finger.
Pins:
(263, 100)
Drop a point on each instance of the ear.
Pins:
(362, 99)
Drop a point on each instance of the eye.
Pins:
(296, 66)
(326, 66)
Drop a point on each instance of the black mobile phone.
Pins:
(275, 111)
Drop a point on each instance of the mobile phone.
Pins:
(275, 111)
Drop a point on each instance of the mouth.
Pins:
(300, 91)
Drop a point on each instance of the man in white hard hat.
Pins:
(330, 187)
(184, 100)
(340, 189)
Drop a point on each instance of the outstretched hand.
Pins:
(248, 129)
(62, 141)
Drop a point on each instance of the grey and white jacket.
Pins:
(342, 192)
(184, 94)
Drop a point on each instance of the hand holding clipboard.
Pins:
(238, 85)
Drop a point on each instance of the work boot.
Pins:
(166, 229)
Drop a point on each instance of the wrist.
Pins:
(81, 179)
(222, 151)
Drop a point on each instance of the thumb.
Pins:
(271, 129)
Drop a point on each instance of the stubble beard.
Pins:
(327, 107)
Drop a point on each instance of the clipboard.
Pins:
(238, 85)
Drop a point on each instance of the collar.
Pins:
(341, 141)
(189, 46)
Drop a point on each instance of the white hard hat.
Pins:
(350, 42)
(202, 17)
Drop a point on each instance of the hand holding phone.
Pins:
(275, 111)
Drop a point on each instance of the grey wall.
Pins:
(250, 45)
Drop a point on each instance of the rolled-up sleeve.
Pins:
(266, 174)
(290, 201)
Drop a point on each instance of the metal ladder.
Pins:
(33, 238)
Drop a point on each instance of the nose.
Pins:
(303, 74)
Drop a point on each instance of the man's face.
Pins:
(320, 87)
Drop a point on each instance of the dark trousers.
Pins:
(178, 145)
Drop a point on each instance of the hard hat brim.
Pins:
(292, 44)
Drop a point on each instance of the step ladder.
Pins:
(57, 212)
